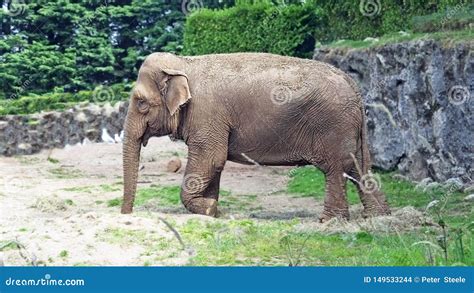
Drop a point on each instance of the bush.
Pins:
(345, 19)
(259, 27)
(293, 29)
(455, 18)
(61, 100)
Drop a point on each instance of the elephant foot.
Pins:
(342, 214)
(202, 206)
(127, 209)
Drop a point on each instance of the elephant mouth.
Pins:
(146, 136)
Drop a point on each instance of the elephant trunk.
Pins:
(131, 160)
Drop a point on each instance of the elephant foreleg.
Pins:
(212, 190)
(200, 188)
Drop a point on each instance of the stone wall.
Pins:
(419, 105)
(28, 134)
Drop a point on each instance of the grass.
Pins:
(28, 160)
(447, 37)
(95, 188)
(65, 173)
(270, 243)
(308, 181)
(245, 242)
(53, 160)
(165, 196)
(454, 217)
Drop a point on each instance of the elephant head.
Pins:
(154, 110)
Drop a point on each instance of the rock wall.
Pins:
(419, 105)
(28, 134)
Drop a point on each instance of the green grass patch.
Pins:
(237, 202)
(164, 195)
(309, 181)
(114, 202)
(283, 243)
(446, 37)
(65, 173)
(246, 242)
(53, 160)
(28, 160)
(94, 188)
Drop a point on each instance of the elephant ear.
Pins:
(175, 89)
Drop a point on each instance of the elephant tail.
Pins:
(365, 155)
(363, 165)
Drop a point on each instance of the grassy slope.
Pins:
(257, 242)
(447, 37)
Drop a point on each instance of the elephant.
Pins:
(251, 108)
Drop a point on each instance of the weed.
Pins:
(53, 160)
(65, 173)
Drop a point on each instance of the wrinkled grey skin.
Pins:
(251, 108)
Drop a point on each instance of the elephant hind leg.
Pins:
(370, 192)
(335, 201)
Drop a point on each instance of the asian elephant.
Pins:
(251, 108)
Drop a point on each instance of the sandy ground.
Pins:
(46, 211)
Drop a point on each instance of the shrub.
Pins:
(457, 17)
(345, 20)
(60, 100)
(261, 27)
(293, 29)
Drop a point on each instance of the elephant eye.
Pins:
(142, 105)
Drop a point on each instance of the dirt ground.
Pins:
(48, 215)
